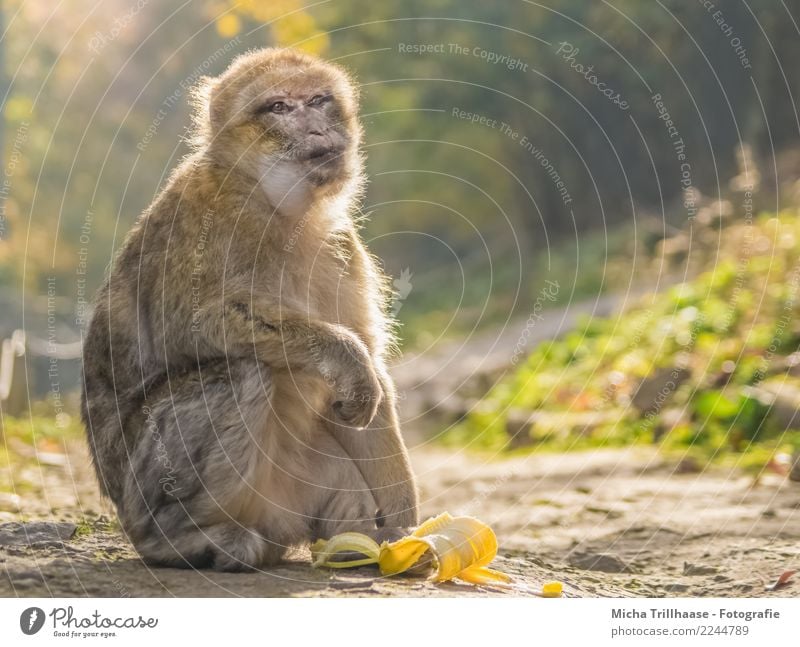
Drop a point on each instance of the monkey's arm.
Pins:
(290, 340)
(293, 341)
(380, 454)
(379, 450)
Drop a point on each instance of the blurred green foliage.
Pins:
(708, 367)
(95, 116)
(29, 445)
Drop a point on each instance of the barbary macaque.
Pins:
(235, 392)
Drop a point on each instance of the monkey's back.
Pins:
(121, 362)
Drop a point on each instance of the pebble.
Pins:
(36, 533)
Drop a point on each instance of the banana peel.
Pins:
(461, 548)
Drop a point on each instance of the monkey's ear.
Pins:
(200, 101)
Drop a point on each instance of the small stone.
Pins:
(9, 502)
(36, 533)
(794, 472)
(608, 512)
(688, 465)
(603, 562)
(698, 569)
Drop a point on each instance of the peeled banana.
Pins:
(460, 547)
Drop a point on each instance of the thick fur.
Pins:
(235, 393)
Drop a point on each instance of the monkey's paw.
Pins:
(357, 401)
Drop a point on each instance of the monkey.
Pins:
(235, 391)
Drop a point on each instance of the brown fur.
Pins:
(238, 345)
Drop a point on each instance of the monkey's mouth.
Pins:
(322, 153)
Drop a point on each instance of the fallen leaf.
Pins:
(781, 581)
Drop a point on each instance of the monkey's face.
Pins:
(287, 113)
(304, 121)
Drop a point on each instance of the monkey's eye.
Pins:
(278, 107)
(318, 99)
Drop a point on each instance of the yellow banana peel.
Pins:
(552, 590)
(460, 547)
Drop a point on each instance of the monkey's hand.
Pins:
(357, 390)
(283, 339)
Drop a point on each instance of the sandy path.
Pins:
(618, 523)
(568, 517)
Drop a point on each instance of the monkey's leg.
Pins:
(343, 499)
(189, 493)
(227, 546)
(381, 456)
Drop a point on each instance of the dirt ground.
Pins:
(612, 523)
(605, 523)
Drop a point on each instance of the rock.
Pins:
(609, 513)
(698, 569)
(9, 502)
(688, 465)
(675, 249)
(667, 421)
(36, 533)
(783, 400)
(26, 579)
(656, 390)
(794, 472)
(521, 426)
(518, 428)
(604, 562)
